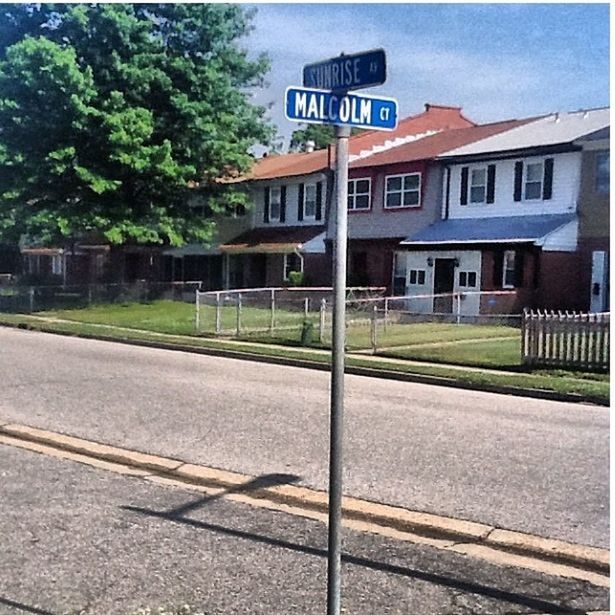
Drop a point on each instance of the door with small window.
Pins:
(444, 283)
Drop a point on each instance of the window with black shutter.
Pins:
(300, 203)
(547, 189)
(319, 201)
(283, 204)
(518, 180)
(491, 183)
(463, 197)
(266, 205)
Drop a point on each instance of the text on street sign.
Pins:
(323, 107)
(361, 70)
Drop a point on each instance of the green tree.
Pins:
(321, 134)
(111, 114)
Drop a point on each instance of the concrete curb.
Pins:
(325, 366)
(419, 523)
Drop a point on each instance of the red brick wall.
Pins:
(562, 282)
(379, 260)
(317, 269)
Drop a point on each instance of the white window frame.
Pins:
(401, 192)
(352, 195)
(306, 216)
(509, 257)
(526, 168)
(467, 275)
(597, 187)
(287, 271)
(278, 191)
(472, 185)
(417, 276)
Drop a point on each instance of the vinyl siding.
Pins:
(566, 181)
(381, 223)
(292, 199)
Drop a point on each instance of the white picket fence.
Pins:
(566, 340)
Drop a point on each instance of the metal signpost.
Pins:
(333, 105)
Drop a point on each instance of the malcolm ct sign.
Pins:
(324, 107)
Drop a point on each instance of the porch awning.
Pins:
(513, 229)
(278, 240)
(192, 249)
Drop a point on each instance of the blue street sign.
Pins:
(352, 72)
(323, 107)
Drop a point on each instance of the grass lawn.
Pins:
(425, 333)
(500, 354)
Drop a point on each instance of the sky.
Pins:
(496, 61)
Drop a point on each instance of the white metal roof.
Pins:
(549, 130)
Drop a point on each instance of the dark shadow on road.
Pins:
(536, 604)
(260, 482)
(23, 607)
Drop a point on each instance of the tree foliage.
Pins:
(110, 114)
(321, 134)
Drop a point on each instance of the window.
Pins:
(478, 185)
(533, 180)
(508, 269)
(467, 279)
(403, 191)
(417, 277)
(235, 210)
(603, 175)
(309, 202)
(292, 262)
(359, 191)
(275, 203)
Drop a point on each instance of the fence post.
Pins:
(458, 308)
(272, 321)
(217, 313)
(321, 324)
(31, 293)
(197, 317)
(386, 313)
(374, 329)
(238, 314)
(306, 307)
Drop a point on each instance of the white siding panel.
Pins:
(563, 239)
(566, 182)
(469, 260)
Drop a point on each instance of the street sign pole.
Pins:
(334, 566)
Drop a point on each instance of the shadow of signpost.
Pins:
(260, 482)
(176, 515)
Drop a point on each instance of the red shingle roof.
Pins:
(435, 117)
(430, 147)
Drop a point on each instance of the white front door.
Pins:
(599, 301)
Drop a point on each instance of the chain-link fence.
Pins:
(28, 299)
(291, 315)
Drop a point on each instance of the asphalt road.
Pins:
(523, 464)
(84, 541)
